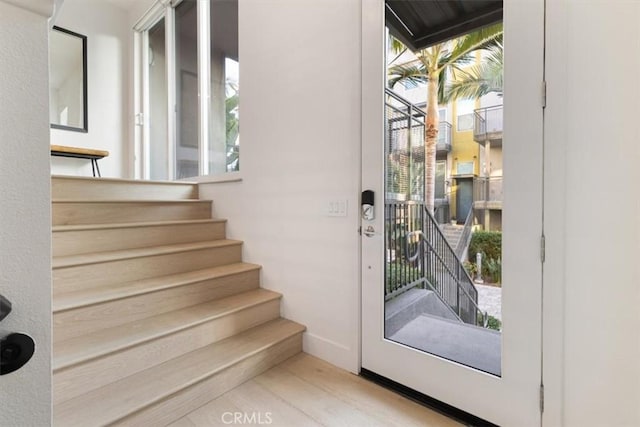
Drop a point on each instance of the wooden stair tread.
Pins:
(97, 344)
(108, 226)
(119, 399)
(154, 311)
(99, 257)
(91, 296)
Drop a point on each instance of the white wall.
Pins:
(295, 159)
(300, 132)
(70, 95)
(592, 214)
(108, 39)
(25, 212)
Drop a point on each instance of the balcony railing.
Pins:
(487, 192)
(444, 137)
(404, 148)
(487, 124)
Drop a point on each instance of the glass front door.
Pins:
(451, 285)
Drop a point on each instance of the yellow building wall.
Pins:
(463, 149)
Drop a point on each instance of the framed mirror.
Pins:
(68, 80)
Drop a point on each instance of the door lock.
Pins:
(367, 201)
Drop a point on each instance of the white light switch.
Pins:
(337, 208)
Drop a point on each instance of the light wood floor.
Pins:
(305, 392)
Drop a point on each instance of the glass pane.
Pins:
(187, 146)
(157, 102)
(224, 136)
(441, 170)
(67, 80)
(440, 298)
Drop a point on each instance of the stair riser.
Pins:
(76, 380)
(84, 320)
(90, 189)
(101, 240)
(73, 213)
(191, 398)
(71, 279)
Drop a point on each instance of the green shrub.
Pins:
(472, 268)
(492, 322)
(489, 243)
(493, 268)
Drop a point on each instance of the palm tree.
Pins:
(232, 126)
(481, 79)
(432, 66)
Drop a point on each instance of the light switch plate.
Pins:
(337, 207)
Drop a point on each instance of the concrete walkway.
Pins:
(419, 319)
(490, 300)
(459, 342)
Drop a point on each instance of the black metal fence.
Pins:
(418, 255)
(446, 274)
(402, 218)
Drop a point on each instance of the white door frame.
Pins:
(512, 399)
(166, 9)
(142, 142)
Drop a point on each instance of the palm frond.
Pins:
(472, 88)
(396, 45)
(479, 80)
(485, 38)
(397, 48)
(442, 80)
(413, 73)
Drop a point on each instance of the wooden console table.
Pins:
(80, 153)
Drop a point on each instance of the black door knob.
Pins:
(15, 351)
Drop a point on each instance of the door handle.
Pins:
(15, 349)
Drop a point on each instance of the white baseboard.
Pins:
(335, 353)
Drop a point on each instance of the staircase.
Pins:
(452, 233)
(154, 312)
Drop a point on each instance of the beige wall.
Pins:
(300, 137)
(592, 274)
(25, 212)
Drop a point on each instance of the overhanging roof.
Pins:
(422, 23)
